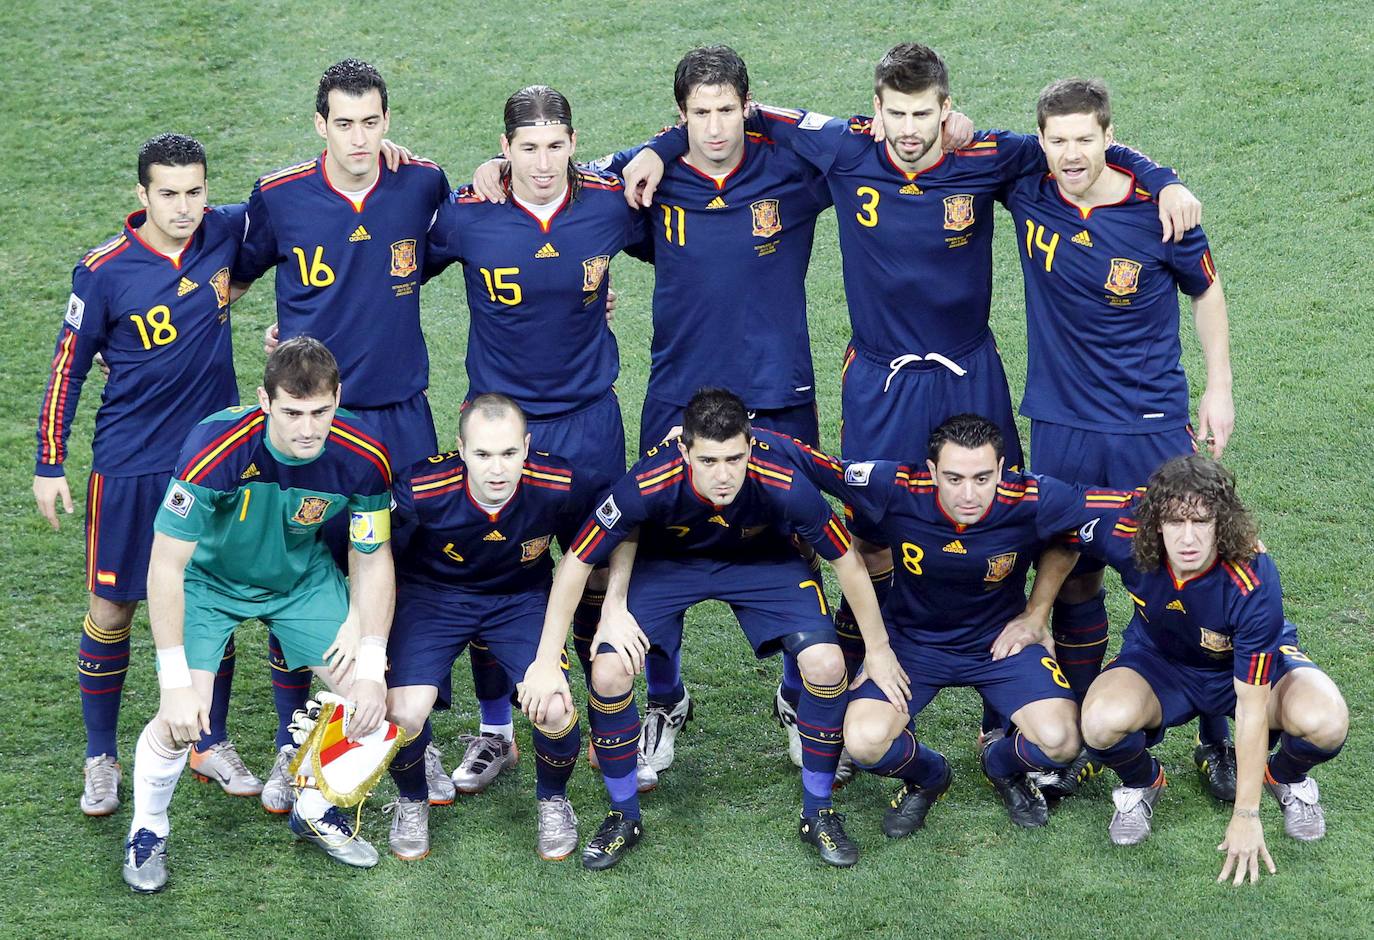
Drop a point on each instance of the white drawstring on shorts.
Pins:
(901, 362)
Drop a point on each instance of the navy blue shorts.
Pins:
(1185, 691)
(592, 439)
(1115, 461)
(889, 413)
(771, 599)
(800, 421)
(406, 428)
(1006, 685)
(432, 628)
(119, 533)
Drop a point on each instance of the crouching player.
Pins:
(1208, 637)
(714, 515)
(238, 536)
(475, 566)
(964, 532)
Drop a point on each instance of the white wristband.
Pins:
(172, 671)
(371, 659)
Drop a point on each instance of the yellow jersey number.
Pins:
(911, 557)
(674, 225)
(314, 273)
(155, 327)
(868, 212)
(1035, 238)
(500, 287)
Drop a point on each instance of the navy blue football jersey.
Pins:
(162, 325)
(348, 273)
(730, 259)
(916, 247)
(958, 585)
(1102, 309)
(1227, 618)
(675, 521)
(454, 544)
(537, 291)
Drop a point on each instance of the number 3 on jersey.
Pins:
(868, 212)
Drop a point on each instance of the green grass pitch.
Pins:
(1266, 110)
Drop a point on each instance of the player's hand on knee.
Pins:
(642, 176)
(271, 339)
(1179, 212)
(881, 666)
(1022, 631)
(394, 154)
(486, 180)
(184, 715)
(543, 682)
(369, 701)
(1244, 847)
(48, 492)
(619, 630)
(956, 132)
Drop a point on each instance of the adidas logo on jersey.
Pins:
(1175, 604)
(910, 189)
(548, 251)
(186, 286)
(719, 520)
(360, 235)
(251, 472)
(717, 203)
(1083, 238)
(493, 536)
(956, 548)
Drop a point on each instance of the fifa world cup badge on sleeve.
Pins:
(76, 312)
(608, 513)
(179, 500)
(344, 771)
(856, 474)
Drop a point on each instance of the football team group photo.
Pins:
(762, 491)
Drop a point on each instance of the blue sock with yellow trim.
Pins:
(663, 676)
(1131, 760)
(102, 661)
(1295, 757)
(555, 758)
(1080, 640)
(491, 685)
(791, 679)
(219, 700)
(911, 761)
(820, 721)
(615, 736)
(290, 688)
(1016, 754)
(408, 766)
(586, 618)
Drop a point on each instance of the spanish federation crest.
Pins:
(1214, 642)
(403, 258)
(1124, 277)
(311, 510)
(593, 270)
(999, 566)
(220, 282)
(532, 549)
(958, 212)
(767, 221)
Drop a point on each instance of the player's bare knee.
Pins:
(1059, 740)
(408, 708)
(1319, 716)
(822, 664)
(1103, 723)
(609, 676)
(867, 733)
(112, 616)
